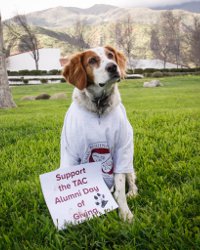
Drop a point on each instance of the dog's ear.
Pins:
(63, 61)
(74, 71)
(120, 58)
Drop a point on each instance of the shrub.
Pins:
(138, 71)
(129, 71)
(24, 72)
(168, 74)
(13, 73)
(164, 70)
(157, 74)
(44, 81)
(62, 80)
(147, 74)
(37, 72)
(150, 70)
(54, 72)
(25, 81)
(16, 80)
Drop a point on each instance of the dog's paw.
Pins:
(126, 215)
(132, 193)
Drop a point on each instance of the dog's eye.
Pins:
(110, 55)
(92, 60)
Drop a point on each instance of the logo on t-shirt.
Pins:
(101, 152)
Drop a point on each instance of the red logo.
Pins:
(103, 155)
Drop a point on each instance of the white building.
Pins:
(48, 60)
(147, 63)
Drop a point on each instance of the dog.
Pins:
(96, 127)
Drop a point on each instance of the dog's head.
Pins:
(101, 66)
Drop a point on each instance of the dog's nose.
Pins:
(111, 68)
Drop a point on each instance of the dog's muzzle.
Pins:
(113, 73)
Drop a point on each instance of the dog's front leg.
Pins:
(132, 188)
(120, 196)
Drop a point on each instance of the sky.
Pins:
(9, 8)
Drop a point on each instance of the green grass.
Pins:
(166, 125)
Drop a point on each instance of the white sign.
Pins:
(75, 194)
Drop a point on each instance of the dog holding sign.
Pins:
(96, 127)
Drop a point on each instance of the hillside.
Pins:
(55, 27)
(69, 15)
(63, 17)
(193, 6)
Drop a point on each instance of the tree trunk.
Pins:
(36, 65)
(164, 63)
(6, 100)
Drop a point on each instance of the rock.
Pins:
(43, 96)
(152, 84)
(28, 98)
(157, 83)
(58, 96)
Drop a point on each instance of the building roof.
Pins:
(150, 63)
(48, 60)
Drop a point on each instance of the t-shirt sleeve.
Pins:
(68, 154)
(124, 150)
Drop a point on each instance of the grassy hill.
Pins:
(166, 135)
(55, 27)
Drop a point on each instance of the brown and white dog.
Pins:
(96, 121)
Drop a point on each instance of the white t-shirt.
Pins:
(87, 138)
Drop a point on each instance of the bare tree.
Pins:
(124, 36)
(166, 38)
(195, 42)
(172, 26)
(9, 43)
(80, 34)
(159, 45)
(6, 100)
(192, 40)
(20, 31)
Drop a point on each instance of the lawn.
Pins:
(166, 123)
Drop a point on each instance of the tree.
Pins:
(159, 45)
(166, 38)
(6, 100)
(20, 31)
(80, 34)
(193, 41)
(124, 36)
(172, 25)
